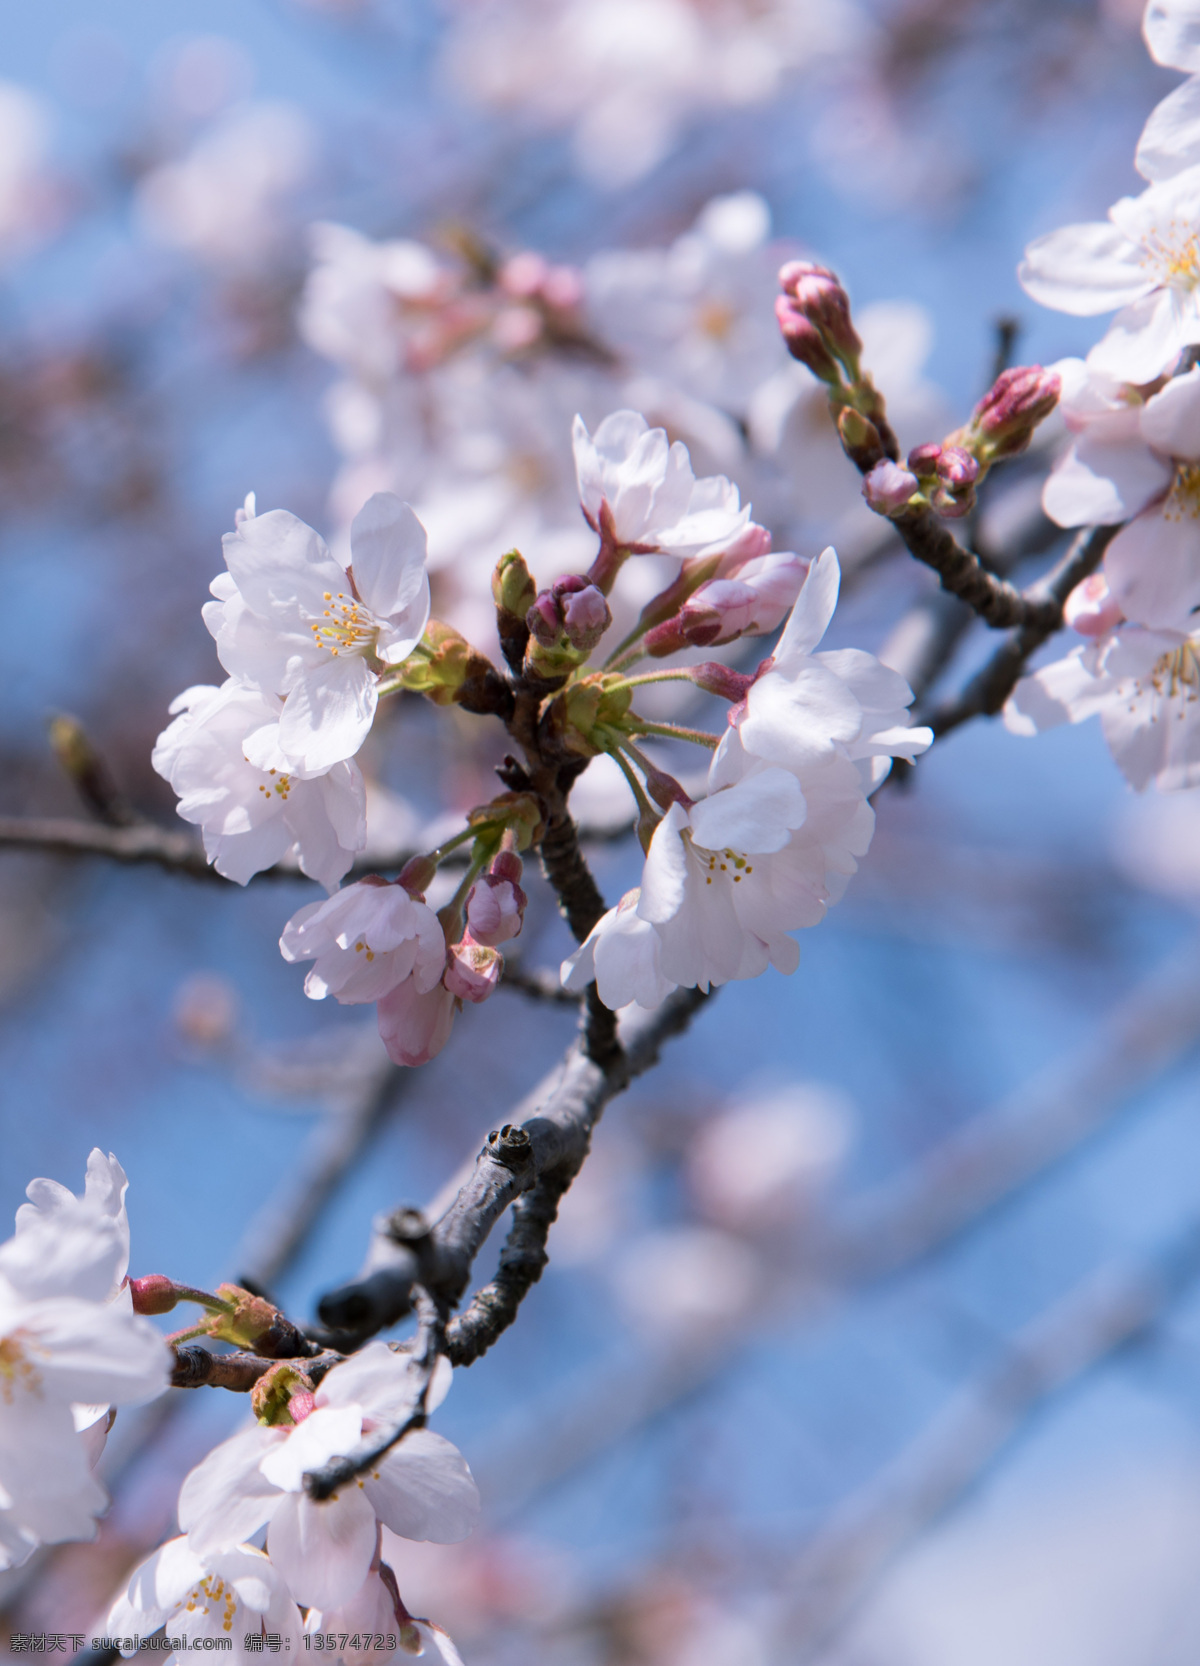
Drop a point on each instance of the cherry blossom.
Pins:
(1144, 685)
(638, 490)
(232, 1594)
(1145, 261)
(1137, 461)
(253, 814)
(376, 1608)
(291, 620)
(368, 937)
(70, 1347)
(421, 1488)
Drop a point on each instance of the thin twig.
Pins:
(538, 982)
(986, 693)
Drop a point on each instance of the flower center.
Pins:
(1177, 674)
(279, 786)
(212, 1592)
(1174, 254)
(16, 1371)
(1183, 500)
(345, 626)
(716, 319)
(726, 861)
(363, 947)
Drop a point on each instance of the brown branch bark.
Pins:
(986, 693)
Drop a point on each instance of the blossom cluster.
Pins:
(1132, 408)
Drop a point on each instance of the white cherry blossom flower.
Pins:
(230, 1594)
(421, 1488)
(1137, 462)
(291, 620)
(253, 813)
(366, 939)
(1145, 260)
(1172, 31)
(375, 1608)
(638, 490)
(70, 1347)
(777, 837)
(1143, 685)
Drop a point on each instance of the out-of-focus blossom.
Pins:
(224, 201)
(253, 814)
(28, 201)
(291, 620)
(233, 1595)
(760, 1163)
(1136, 461)
(627, 75)
(686, 1280)
(421, 1488)
(70, 1347)
(1145, 260)
(368, 305)
(1145, 688)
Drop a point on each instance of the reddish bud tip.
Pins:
(1008, 413)
(416, 875)
(889, 487)
(804, 341)
(153, 1294)
(923, 460)
(722, 680)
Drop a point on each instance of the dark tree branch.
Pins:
(522, 1261)
(552, 1136)
(197, 1367)
(986, 693)
(540, 983)
(997, 602)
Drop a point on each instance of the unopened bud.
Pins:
(818, 294)
(496, 903)
(513, 592)
(665, 790)
(586, 617)
(1005, 418)
(519, 814)
(804, 341)
(923, 460)
(1091, 608)
(889, 487)
(543, 621)
(860, 438)
(416, 876)
(472, 970)
(722, 680)
(156, 1293)
(957, 472)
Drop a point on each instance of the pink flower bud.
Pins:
(923, 460)
(821, 298)
(472, 970)
(1008, 413)
(153, 1294)
(585, 616)
(543, 620)
(506, 864)
(514, 329)
(495, 909)
(888, 488)
(956, 468)
(723, 680)
(1091, 608)
(416, 876)
(804, 341)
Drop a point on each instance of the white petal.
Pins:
(1172, 31)
(1171, 419)
(1084, 269)
(1144, 339)
(226, 1498)
(329, 1432)
(1153, 567)
(423, 1489)
(814, 608)
(324, 1551)
(329, 713)
(1101, 485)
(755, 816)
(1170, 140)
(388, 560)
